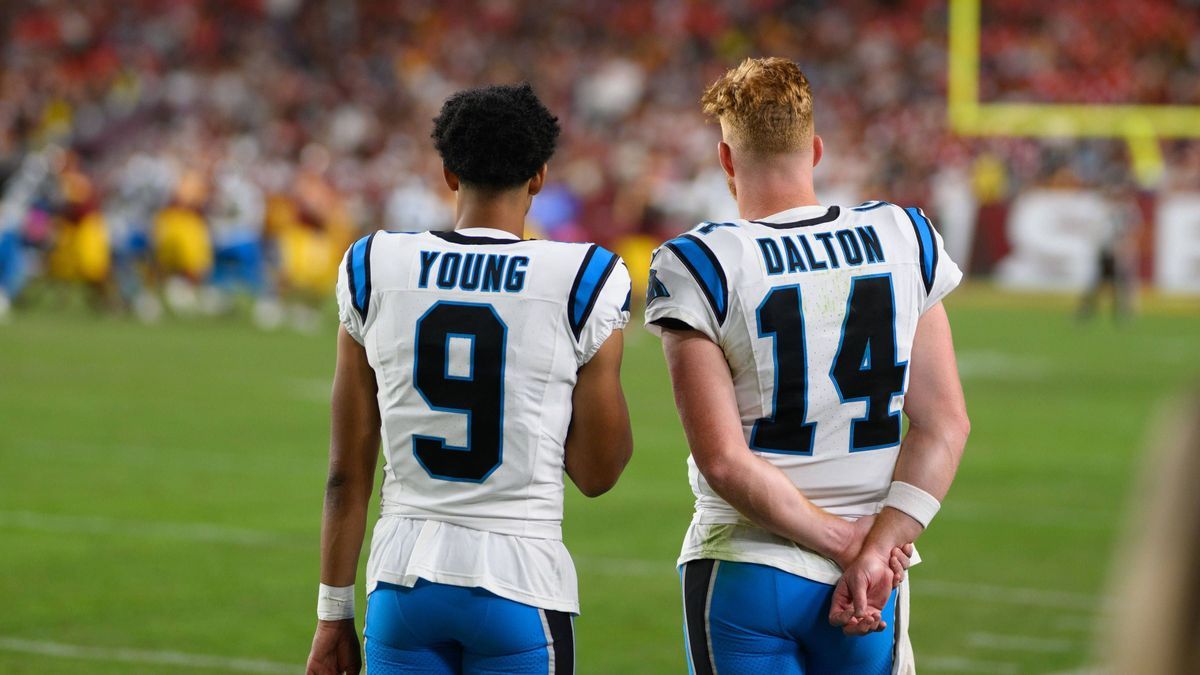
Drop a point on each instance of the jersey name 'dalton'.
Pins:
(857, 246)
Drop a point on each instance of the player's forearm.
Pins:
(343, 524)
(353, 454)
(759, 491)
(764, 495)
(599, 441)
(929, 459)
(930, 454)
(596, 466)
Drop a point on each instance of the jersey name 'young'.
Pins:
(476, 338)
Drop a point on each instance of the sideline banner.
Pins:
(1052, 239)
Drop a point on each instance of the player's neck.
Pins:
(496, 210)
(764, 193)
(759, 203)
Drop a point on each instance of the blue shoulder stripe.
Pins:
(597, 264)
(358, 272)
(927, 244)
(703, 264)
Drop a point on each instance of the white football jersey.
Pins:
(815, 308)
(476, 338)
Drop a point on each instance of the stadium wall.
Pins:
(1048, 240)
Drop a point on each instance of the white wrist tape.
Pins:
(335, 603)
(912, 500)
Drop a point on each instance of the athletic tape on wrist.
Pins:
(912, 500)
(335, 603)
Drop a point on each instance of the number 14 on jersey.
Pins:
(866, 368)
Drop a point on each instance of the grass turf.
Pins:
(160, 491)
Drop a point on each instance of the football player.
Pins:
(21, 191)
(489, 366)
(795, 337)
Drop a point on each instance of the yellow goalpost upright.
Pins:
(1140, 125)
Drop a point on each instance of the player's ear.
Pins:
(451, 178)
(538, 181)
(726, 156)
(818, 149)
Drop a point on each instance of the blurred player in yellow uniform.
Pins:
(182, 246)
(183, 252)
(81, 250)
(311, 228)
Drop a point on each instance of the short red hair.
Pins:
(764, 106)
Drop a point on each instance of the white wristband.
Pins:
(912, 500)
(335, 603)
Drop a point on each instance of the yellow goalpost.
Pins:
(1140, 125)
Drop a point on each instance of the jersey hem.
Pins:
(787, 557)
(819, 576)
(602, 334)
(512, 527)
(472, 581)
(676, 313)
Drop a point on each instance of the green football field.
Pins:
(160, 491)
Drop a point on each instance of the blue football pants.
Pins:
(746, 619)
(438, 629)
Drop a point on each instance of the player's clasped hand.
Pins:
(335, 649)
(864, 589)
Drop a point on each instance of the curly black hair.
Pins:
(495, 137)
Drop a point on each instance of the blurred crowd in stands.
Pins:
(189, 149)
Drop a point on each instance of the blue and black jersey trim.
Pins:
(597, 265)
(358, 273)
(460, 238)
(831, 214)
(706, 269)
(927, 245)
(708, 226)
(869, 205)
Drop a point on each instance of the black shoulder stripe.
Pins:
(927, 249)
(367, 265)
(358, 273)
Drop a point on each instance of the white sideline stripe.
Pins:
(957, 664)
(161, 658)
(1020, 643)
(954, 590)
(1071, 519)
(313, 390)
(151, 456)
(208, 533)
(628, 566)
(197, 532)
(996, 365)
(1007, 595)
(1076, 624)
